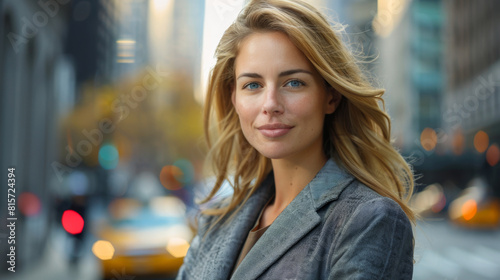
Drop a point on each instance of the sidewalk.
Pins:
(54, 264)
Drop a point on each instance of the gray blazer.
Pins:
(336, 228)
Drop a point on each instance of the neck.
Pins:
(291, 176)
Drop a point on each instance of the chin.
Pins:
(273, 153)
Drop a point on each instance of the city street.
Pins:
(117, 116)
(54, 265)
(444, 251)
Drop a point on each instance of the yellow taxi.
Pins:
(143, 238)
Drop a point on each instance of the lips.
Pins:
(274, 130)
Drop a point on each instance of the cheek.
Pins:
(245, 123)
(307, 107)
(246, 128)
(245, 110)
(247, 114)
(312, 113)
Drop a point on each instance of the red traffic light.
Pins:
(72, 222)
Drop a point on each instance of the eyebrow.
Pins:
(282, 74)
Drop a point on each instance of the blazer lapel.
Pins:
(234, 234)
(298, 218)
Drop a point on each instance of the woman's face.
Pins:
(280, 98)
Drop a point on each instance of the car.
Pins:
(476, 207)
(143, 237)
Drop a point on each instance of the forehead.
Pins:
(267, 51)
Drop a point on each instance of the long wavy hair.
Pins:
(357, 135)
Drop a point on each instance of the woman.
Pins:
(319, 191)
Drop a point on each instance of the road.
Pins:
(54, 263)
(444, 251)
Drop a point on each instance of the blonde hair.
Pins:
(357, 134)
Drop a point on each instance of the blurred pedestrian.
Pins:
(319, 191)
(78, 184)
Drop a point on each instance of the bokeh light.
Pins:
(493, 155)
(29, 204)
(481, 141)
(78, 183)
(104, 250)
(168, 206)
(161, 5)
(72, 222)
(170, 177)
(187, 169)
(177, 247)
(429, 200)
(458, 143)
(469, 209)
(108, 156)
(428, 139)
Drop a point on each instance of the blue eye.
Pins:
(252, 86)
(294, 83)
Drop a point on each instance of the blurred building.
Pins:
(187, 35)
(91, 40)
(411, 70)
(108, 40)
(393, 70)
(427, 72)
(411, 55)
(440, 65)
(473, 57)
(176, 38)
(132, 41)
(37, 85)
(472, 94)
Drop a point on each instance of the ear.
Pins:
(333, 99)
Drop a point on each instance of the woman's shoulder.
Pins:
(360, 203)
(369, 229)
(365, 196)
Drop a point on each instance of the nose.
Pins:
(272, 104)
